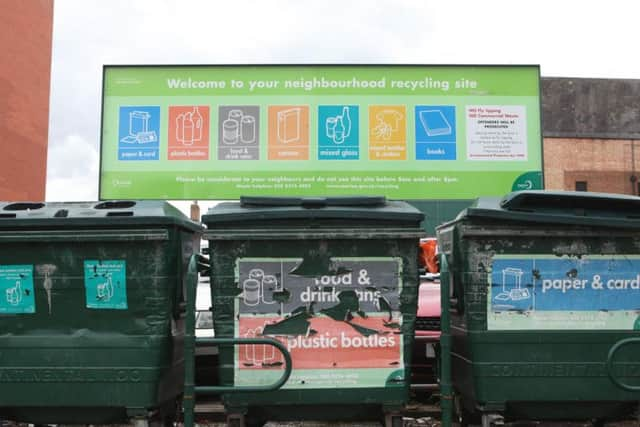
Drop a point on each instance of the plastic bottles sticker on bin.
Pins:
(552, 292)
(16, 287)
(105, 284)
(327, 322)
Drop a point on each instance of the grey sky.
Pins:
(567, 38)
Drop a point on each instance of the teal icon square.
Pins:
(338, 132)
(16, 287)
(105, 284)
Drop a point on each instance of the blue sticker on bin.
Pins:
(16, 287)
(106, 284)
(565, 284)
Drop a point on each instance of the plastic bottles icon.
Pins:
(189, 127)
(259, 353)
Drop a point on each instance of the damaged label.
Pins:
(551, 292)
(348, 322)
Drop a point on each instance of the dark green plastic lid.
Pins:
(282, 208)
(559, 207)
(114, 213)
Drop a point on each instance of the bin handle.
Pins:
(246, 341)
(617, 346)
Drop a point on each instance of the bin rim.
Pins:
(578, 208)
(374, 208)
(20, 215)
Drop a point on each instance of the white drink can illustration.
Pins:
(248, 129)
(230, 132)
(251, 290)
(269, 286)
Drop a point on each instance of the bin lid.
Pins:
(559, 207)
(345, 208)
(115, 213)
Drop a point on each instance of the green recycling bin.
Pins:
(335, 280)
(91, 307)
(546, 298)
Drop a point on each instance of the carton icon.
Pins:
(289, 125)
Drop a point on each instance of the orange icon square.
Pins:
(188, 133)
(288, 136)
(387, 132)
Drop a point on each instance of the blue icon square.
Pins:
(338, 132)
(139, 133)
(435, 123)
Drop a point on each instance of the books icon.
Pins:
(434, 123)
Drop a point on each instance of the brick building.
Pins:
(25, 42)
(591, 130)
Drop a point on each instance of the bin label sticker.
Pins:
(327, 322)
(16, 282)
(106, 284)
(551, 292)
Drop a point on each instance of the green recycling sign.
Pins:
(406, 132)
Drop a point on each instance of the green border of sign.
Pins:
(503, 91)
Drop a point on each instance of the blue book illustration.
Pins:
(434, 123)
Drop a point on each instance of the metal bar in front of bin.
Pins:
(446, 389)
(247, 341)
(198, 263)
(617, 346)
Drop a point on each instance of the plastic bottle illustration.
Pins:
(260, 353)
(189, 127)
(184, 129)
(197, 124)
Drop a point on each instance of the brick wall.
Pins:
(605, 164)
(25, 42)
